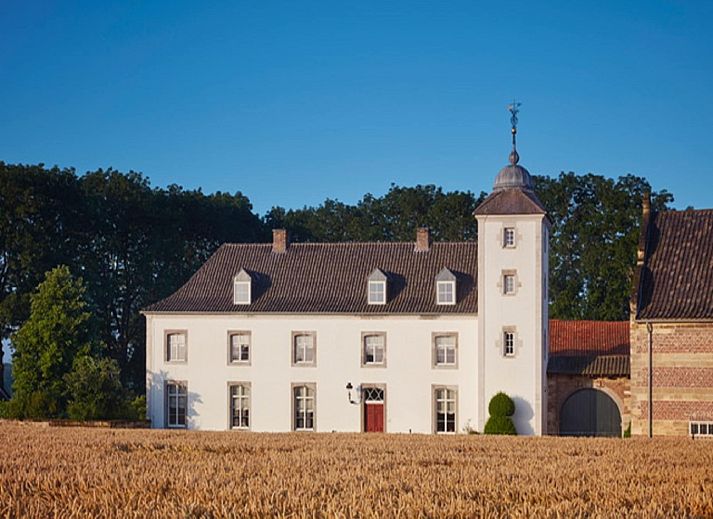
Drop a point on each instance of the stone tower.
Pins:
(513, 232)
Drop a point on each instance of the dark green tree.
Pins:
(94, 390)
(595, 232)
(46, 345)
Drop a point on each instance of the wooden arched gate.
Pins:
(590, 412)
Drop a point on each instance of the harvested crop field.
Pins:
(77, 472)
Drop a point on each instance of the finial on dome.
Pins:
(514, 109)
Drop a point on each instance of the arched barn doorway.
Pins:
(590, 412)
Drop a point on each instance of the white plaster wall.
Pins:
(521, 376)
(408, 374)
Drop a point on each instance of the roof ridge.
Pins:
(343, 243)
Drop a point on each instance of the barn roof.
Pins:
(676, 282)
(329, 278)
(592, 348)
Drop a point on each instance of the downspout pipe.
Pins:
(650, 329)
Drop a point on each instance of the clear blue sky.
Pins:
(294, 102)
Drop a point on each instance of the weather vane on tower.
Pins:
(514, 109)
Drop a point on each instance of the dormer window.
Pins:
(445, 288)
(377, 288)
(242, 288)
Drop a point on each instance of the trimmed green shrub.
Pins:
(500, 425)
(501, 409)
(501, 405)
(627, 431)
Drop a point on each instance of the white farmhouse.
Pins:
(394, 337)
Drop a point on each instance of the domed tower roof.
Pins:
(513, 191)
(513, 176)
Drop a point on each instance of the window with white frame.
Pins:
(509, 343)
(374, 345)
(176, 347)
(242, 288)
(303, 349)
(445, 350)
(377, 292)
(509, 237)
(304, 408)
(698, 429)
(240, 406)
(240, 347)
(445, 407)
(509, 284)
(446, 292)
(176, 403)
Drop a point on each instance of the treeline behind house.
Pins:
(133, 244)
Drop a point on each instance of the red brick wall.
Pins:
(682, 376)
(677, 377)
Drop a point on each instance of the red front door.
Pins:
(373, 417)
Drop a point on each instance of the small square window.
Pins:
(694, 428)
(509, 284)
(509, 237)
(377, 292)
(176, 347)
(240, 347)
(303, 349)
(445, 350)
(446, 293)
(509, 344)
(374, 349)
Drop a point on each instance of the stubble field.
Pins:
(77, 472)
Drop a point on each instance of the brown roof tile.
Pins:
(592, 348)
(677, 279)
(511, 201)
(588, 338)
(329, 278)
(598, 366)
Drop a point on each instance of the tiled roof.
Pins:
(592, 348)
(329, 278)
(511, 201)
(677, 279)
(588, 338)
(601, 365)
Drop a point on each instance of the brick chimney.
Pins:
(423, 239)
(279, 240)
(646, 215)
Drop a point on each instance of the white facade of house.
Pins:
(501, 343)
(408, 375)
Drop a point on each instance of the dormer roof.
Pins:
(242, 275)
(378, 275)
(445, 275)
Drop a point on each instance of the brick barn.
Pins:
(588, 378)
(672, 325)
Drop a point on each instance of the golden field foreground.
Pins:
(79, 472)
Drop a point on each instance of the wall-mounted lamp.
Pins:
(349, 393)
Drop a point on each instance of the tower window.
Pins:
(509, 237)
(509, 343)
(509, 284)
